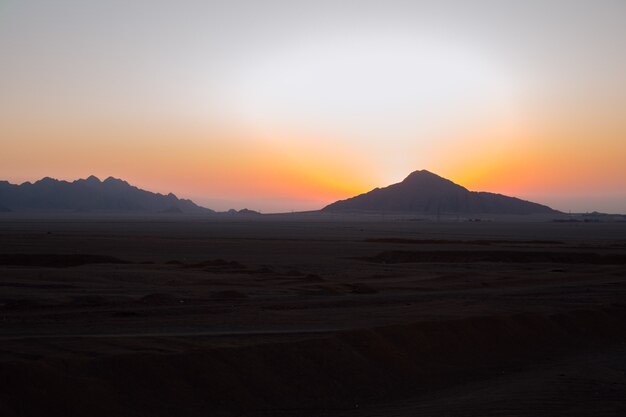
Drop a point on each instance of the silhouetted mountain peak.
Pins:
(113, 180)
(428, 193)
(423, 175)
(426, 181)
(420, 174)
(90, 180)
(46, 180)
(248, 211)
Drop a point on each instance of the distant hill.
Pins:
(243, 211)
(90, 195)
(426, 193)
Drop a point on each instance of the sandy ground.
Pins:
(311, 316)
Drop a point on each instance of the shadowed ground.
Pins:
(311, 316)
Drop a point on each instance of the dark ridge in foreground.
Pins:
(426, 193)
(90, 195)
(300, 377)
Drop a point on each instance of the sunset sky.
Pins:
(290, 105)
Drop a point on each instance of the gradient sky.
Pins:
(290, 105)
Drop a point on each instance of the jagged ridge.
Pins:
(90, 195)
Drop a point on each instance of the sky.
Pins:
(290, 105)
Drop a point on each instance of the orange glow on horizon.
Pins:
(210, 164)
(219, 165)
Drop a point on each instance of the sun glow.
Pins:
(371, 86)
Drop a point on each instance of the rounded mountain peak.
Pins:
(421, 175)
(426, 181)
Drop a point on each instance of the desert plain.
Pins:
(311, 315)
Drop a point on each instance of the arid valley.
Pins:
(311, 315)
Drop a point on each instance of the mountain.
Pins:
(90, 195)
(426, 193)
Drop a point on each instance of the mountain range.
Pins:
(426, 193)
(90, 195)
(422, 192)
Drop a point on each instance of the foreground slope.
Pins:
(427, 193)
(90, 195)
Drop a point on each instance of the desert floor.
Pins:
(311, 316)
